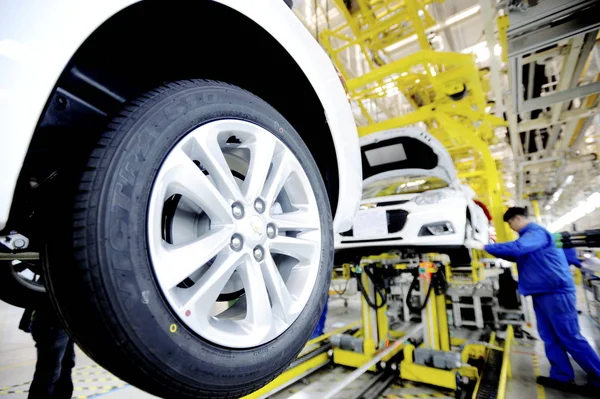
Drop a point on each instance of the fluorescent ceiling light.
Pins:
(481, 51)
(469, 12)
(584, 208)
(568, 180)
(557, 194)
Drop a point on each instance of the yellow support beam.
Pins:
(413, 12)
(502, 22)
(493, 189)
(291, 374)
(536, 211)
(419, 115)
(422, 57)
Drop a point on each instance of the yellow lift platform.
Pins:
(424, 353)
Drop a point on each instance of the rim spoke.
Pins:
(282, 169)
(175, 263)
(261, 149)
(212, 158)
(300, 249)
(259, 316)
(282, 300)
(205, 292)
(300, 220)
(182, 176)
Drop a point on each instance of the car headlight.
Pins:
(433, 197)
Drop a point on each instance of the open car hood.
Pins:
(407, 151)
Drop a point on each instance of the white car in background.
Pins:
(412, 198)
(178, 189)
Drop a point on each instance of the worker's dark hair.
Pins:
(515, 211)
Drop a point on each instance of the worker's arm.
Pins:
(506, 257)
(571, 255)
(527, 243)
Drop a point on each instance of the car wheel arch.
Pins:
(268, 59)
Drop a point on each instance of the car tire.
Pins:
(115, 285)
(16, 290)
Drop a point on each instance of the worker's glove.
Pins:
(472, 244)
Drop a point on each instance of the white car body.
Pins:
(38, 39)
(406, 219)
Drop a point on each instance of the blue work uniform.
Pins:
(544, 274)
(572, 259)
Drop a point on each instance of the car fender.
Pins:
(37, 40)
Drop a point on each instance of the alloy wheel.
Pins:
(234, 233)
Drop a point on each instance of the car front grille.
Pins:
(396, 220)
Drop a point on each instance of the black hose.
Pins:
(366, 295)
(378, 289)
(413, 285)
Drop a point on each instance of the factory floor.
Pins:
(17, 362)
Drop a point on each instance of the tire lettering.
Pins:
(177, 109)
(210, 98)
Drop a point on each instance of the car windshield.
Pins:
(402, 185)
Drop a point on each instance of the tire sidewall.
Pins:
(146, 138)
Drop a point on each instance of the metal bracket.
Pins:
(14, 241)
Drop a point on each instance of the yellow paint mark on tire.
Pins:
(173, 328)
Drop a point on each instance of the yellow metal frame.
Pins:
(429, 80)
(302, 368)
(447, 378)
(408, 369)
(453, 122)
(411, 371)
(376, 336)
(375, 25)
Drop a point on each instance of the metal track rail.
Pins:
(377, 358)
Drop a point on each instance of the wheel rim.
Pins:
(27, 274)
(236, 258)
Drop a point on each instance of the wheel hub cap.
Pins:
(253, 229)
